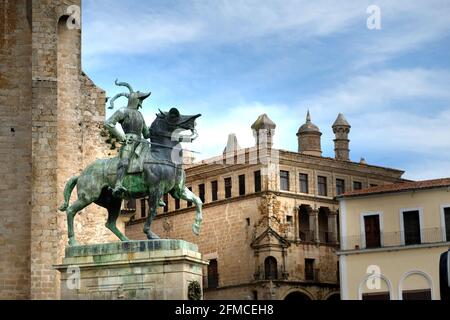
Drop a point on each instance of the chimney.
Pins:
(232, 145)
(263, 131)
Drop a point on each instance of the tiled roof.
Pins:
(399, 187)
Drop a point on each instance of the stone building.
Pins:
(51, 118)
(270, 228)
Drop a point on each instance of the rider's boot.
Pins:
(119, 190)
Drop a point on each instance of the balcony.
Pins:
(324, 237)
(393, 239)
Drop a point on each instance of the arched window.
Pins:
(415, 285)
(270, 268)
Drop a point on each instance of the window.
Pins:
(213, 274)
(372, 231)
(166, 201)
(143, 208)
(270, 268)
(228, 187)
(304, 187)
(309, 269)
(289, 220)
(214, 191)
(357, 185)
(340, 186)
(411, 225)
(257, 176)
(447, 222)
(284, 180)
(189, 203)
(322, 186)
(242, 185)
(201, 192)
(417, 294)
(255, 295)
(376, 296)
(177, 204)
(304, 232)
(373, 185)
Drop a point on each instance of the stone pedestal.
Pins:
(136, 270)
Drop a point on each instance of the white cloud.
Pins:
(375, 103)
(385, 127)
(414, 139)
(406, 26)
(371, 92)
(214, 130)
(117, 27)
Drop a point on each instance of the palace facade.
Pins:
(271, 226)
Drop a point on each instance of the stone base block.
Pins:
(135, 270)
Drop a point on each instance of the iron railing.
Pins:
(392, 239)
(324, 237)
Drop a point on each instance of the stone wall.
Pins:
(15, 149)
(225, 236)
(51, 116)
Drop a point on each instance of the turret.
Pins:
(309, 137)
(341, 129)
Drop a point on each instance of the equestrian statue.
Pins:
(142, 169)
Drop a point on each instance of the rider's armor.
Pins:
(134, 127)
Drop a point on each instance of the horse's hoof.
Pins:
(152, 236)
(73, 243)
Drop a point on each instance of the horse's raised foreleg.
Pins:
(113, 213)
(153, 201)
(188, 195)
(72, 211)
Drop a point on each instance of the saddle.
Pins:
(143, 155)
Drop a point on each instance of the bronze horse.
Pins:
(162, 173)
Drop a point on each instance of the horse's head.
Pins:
(172, 124)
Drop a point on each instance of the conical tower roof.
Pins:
(263, 122)
(341, 121)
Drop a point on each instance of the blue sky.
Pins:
(233, 60)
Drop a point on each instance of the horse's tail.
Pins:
(68, 192)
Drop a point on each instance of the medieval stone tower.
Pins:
(51, 119)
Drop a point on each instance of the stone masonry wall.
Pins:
(225, 236)
(15, 149)
(51, 116)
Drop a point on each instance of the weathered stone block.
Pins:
(135, 270)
